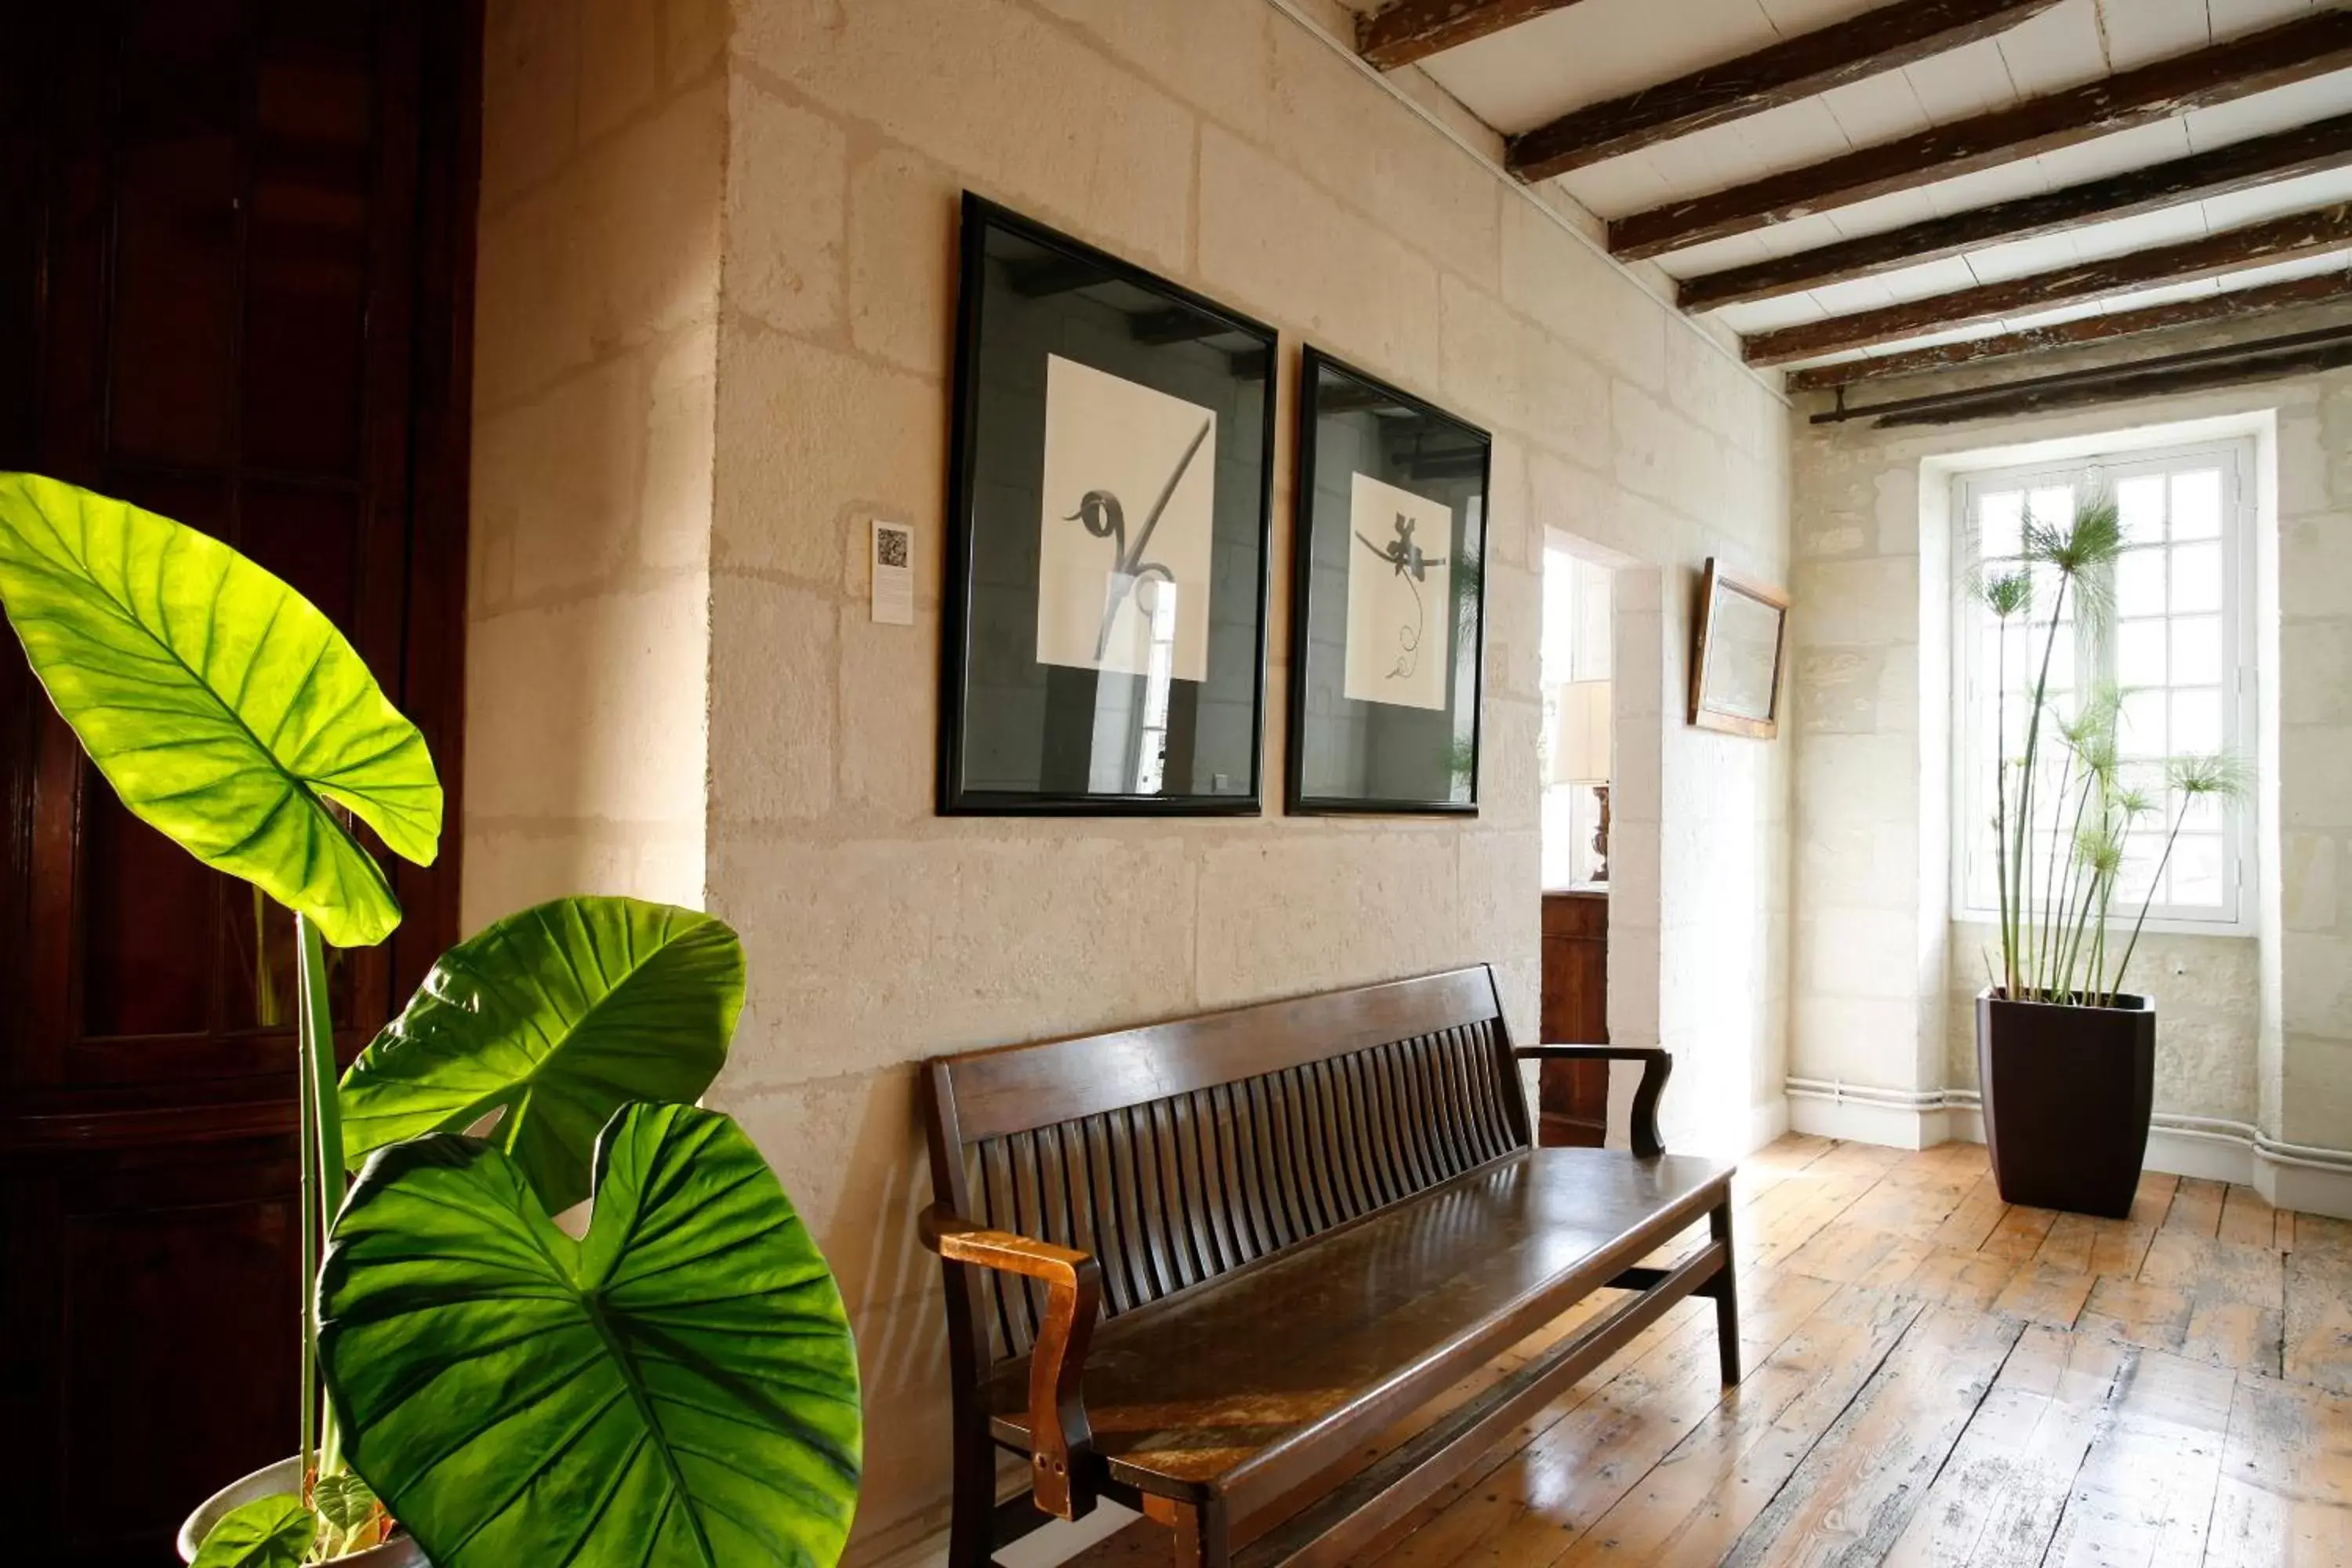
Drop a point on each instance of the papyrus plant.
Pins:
(675, 1386)
(2066, 807)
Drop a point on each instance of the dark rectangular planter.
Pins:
(2067, 1092)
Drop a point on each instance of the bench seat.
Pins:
(1208, 1268)
(1235, 1387)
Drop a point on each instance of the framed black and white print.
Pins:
(1110, 490)
(1388, 599)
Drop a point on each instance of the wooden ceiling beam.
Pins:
(2242, 166)
(2306, 48)
(2234, 365)
(1885, 39)
(1399, 34)
(2235, 304)
(2232, 250)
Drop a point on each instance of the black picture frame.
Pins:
(1020, 734)
(1347, 755)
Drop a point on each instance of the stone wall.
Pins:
(597, 297)
(1224, 145)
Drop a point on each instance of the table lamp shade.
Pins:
(1580, 742)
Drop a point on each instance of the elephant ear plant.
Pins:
(673, 1382)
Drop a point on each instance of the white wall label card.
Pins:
(1126, 526)
(1400, 599)
(894, 573)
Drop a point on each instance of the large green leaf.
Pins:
(268, 1532)
(558, 1016)
(677, 1390)
(222, 706)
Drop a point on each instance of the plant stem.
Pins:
(2163, 861)
(322, 1114)
(308, 1386)
(2034, 746)
(2000, 803)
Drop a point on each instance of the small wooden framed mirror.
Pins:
(1736, 664)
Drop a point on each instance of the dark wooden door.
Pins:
(235, 255)
(1573, 1098)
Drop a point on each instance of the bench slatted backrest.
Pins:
(1179, 1152)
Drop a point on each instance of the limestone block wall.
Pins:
(1225, 144)
(597, 291)
(2254, 1030)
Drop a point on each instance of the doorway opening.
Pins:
(1577, 767)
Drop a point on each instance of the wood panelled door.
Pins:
(236, 258)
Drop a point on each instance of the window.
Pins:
(2178, 647)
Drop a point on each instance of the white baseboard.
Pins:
(1054, 1544)
(1897, 1118)
(1766, 1122)
(2287, 1175)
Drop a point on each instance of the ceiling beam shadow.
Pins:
(2301, 49)
(1885, 39)
(2210, 256)
(1409, 30)
(2236, 304)
(2242, 166)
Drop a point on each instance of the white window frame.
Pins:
(1973, 890)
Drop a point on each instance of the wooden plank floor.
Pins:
(1935, 1377)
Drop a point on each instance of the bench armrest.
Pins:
(1059, 1433)
(1656, 1067)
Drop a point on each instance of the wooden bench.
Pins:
(1198, 1267)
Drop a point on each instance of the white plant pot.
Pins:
(286, 1475)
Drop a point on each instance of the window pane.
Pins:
(2197, 504)
(2000, 525)
(2196, 577)
(2196, 813)
(2139, 653)
(2196, 723)
(2052, 506)
(2141, 504)
(2142, 732)
(2139, 583)
(2133, 882)
(2196, 869)
(2197, 650)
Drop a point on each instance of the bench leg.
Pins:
(972, 1527)
(1725, 1288)
(1199, 1529)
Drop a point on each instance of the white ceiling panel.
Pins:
(1963, 83)
(1771, 315)
(1876, 215)
(2241, 207)
(2022, 257)
(2141, 31)
(2006, 182)
(2062, 48)
(1599, 49)
(2282, 109)
(2231, 17)
(1620, 185)
(2134, 149)
(2281, 271)
(1876, 109)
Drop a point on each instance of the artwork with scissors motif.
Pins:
(1400, 601)
(1125, 525)
(1111, 498)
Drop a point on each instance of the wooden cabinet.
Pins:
(1573, 1097)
